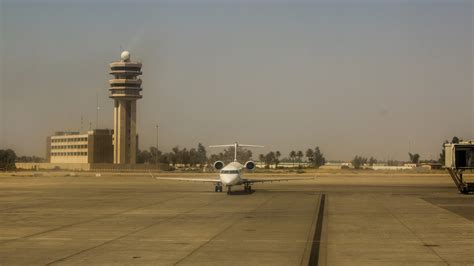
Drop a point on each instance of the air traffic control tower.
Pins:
(125, 89)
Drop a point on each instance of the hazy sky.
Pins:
(374, 78)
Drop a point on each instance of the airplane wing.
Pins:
(209, 180)
(252, 181)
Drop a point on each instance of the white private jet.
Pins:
(231, 174)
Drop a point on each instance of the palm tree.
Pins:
(261, 157)
(277, 159)
(299, 154)
(293, 156)
(310, 155)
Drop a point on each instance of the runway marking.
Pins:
(314, 255)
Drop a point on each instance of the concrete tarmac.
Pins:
(343, 219)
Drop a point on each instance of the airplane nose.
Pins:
(229, 179)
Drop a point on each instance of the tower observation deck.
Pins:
(125, 89)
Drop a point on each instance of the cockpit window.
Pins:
(229, 171)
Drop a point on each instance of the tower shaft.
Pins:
(125, 141)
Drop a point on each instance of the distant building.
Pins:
(336, 166)
(95, 146)
(392, 167)
(432, 166)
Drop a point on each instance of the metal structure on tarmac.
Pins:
(459, 157)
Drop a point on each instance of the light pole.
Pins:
(156, 156)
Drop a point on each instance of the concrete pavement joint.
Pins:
(130, 233)
(223, 230)
(427, 245)
(44, 203)
(87, 221)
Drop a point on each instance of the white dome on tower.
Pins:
(125, 55)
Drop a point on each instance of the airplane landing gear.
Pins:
(218, 188)
(229, 191)
(248, 188)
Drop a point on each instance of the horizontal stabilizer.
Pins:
(236, 146)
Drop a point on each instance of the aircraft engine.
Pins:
(250, 165)
(218, 165)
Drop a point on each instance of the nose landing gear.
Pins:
(218, 188)
(248, 188)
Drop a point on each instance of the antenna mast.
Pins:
(82, 123)
(97, 109)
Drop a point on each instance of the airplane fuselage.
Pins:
(231, 174)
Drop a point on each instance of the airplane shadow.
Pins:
(241, 193)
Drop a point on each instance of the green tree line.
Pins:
(199, 157)
(314, 157)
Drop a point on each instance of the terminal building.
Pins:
(95, 146)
